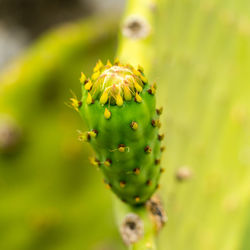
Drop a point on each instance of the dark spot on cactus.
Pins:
(132, 229)
(157, 161)
(159, 111)
(162, 148)
(134, 125)
(95, 131)
(136, 27)
(162, 170)
(153, 122)
(121, 148)
(147, 149)
(157, 186)
(137, 199)
(107, 163)
(150, 91)
(156, 212)
(131, 225)
(79, 104)
(122, 184)
(149, 182)
(160, 137)
(136, 171)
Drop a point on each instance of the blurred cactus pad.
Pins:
(198, 52)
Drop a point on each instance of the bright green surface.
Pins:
(116, 131)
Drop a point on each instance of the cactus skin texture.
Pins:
(118, 106)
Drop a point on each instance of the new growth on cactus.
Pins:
(119, 108)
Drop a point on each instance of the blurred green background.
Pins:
(50, 196)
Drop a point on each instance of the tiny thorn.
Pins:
(162, 170)
(134, 125)
(136, 171)
(95, 162)
(138, 98)
(88, 85)
(93, 133)
(137, 199)
(107, 114)
(158, 186)
(140, 68)
(116, 61)
(75, 104)
(149, 182)
(121, 148)
(157, 161)
(84, 136)
(160, 138)
(163, 148)
(159, 111)
(152, 89)
(104, 97)
(156, 123)
(147, 149)
(122, 184)
(98, 66)
(109, 64)
(107, 185)
(127, 93)
(138, 87)
(107, 163)
(83, 78)
(119, 100)
(89, 99)
(95, 75)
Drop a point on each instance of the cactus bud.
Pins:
(127, 143)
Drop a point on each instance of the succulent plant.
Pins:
(119, 107)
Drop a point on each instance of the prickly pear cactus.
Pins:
(118, 106)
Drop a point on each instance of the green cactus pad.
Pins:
(118, 106)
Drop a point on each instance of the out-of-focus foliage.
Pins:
(52, 199)
(202, 66)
